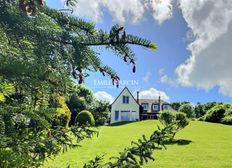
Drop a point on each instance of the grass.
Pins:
(199, 145)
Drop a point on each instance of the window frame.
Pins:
(165, 105)
(145, 104)
(125, 99)
(155, 105)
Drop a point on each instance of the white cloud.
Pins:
(165, 79)
(209, 65)
(103, 96)
(124, 11)
(147, 77)
(153, 93)
(162, 9)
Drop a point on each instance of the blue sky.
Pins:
(160, 72)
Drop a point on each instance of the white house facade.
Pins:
(124, 108)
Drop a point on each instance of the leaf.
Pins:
(153, 46)
(2, 97)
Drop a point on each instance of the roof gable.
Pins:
(123, 91)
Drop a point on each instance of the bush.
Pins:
(187, 109)
(181, 120)
(178, 120)
(63, 111)
(215, 114)
(228, 111)
(227, 120)
(166, 117)
(100, 111)
(80, 99)
(85, 117)
(199, 110)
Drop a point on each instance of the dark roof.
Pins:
(152, 101)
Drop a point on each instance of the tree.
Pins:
(215, 114)
(81, 99)
(176, 105)
(42, 51)
(101, 112)
(177, 121)
(209, 105)
(187, 109)
(199, 110)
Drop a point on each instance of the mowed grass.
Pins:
(204, 145)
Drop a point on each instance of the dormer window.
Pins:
(145, 106)
(125, 99)
(165, 106)
(155, 107)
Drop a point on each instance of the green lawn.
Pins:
(207, 145)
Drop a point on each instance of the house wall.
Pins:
(119, 106)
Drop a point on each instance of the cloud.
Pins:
(147, 77)
(103, 96)
(209, 65)
(131, 11)
(161, 10)
(165, 79)
(153, 93)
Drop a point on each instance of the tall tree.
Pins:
(41, 51)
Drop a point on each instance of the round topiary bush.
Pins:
(85, 117)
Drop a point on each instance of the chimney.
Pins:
(138, 97)
(159, 103)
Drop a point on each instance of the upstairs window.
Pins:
(155, 107)
(125, 100)
(145, 106)
(165, 107)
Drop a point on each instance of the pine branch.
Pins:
(139, 153)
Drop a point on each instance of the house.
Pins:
(127, 108)
(152, 107)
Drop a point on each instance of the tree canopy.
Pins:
(41, 51)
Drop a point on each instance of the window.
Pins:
(125, 115)
(116, 115)
(155, 107)
(145, 106)
(125, 100)
(165, 106)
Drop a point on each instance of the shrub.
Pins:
(166, 117)
(178, 120)
(100, 111)
(227, 120)
(215, 114)
(228, 111)
(187, 109)
(199, 110)
(85, 117)
(60, 117)
(181, 120)
(80, 99)
(63, 111)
